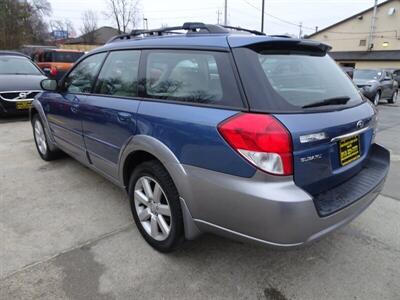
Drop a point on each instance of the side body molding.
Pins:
(37, 105)
(174, 167)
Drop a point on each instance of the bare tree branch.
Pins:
(124, 12)
(89, 21)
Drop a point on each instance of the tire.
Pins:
(41, 143)
(377, 98)
(394, 97)
(158, 216)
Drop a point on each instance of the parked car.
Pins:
(56, 62)
(376, 85)
(19, 83)
(250, 136)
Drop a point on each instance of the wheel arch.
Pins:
(141, 148)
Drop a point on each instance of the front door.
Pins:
(109, 114)
(63, 108)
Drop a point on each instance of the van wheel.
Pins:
(377, 98)
(156, 206)
(394, 97)
(40, 137)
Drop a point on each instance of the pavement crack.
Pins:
(80, 245)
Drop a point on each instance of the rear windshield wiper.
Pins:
(329, 101)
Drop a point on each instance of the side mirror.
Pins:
(49, 85)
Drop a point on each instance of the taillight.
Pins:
(53, 71)
(260, 139)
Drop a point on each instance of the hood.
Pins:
(20, 82)
(364, 81)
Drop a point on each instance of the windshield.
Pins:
(66, 57)
(294, 81)
(367, 74)
(17, 65)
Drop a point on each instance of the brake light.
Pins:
(53, 71)
(260, 139)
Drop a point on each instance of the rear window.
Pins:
(192, 76)
(292, 81)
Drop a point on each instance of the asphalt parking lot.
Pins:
(67, 233)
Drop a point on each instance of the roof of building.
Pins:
(387, 55)
(347, 19)
(100, 35)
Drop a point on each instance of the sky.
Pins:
(285, 19)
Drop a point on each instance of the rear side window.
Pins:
(285, 81)
(81, 78)
(119, 74)
(192, 76)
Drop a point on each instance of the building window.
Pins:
(363, 43)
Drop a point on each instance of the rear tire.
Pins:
(41, 140)
(156, 206)
(377, 98)
(394, 97)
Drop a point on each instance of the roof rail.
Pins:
(256, 32)
(190, 27)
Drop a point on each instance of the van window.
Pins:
(119, 74)
(81, 78)
(192, 76)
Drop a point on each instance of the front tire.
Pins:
(377, 98)
(156, 206)
(41, 140)
(394, 97)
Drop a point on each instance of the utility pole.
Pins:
(145, 23)
(226, 13)
(300, 30)
(219, 13)
(372, 30)
(262, 15)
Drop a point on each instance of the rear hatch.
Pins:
(297, 82)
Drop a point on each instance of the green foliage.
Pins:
(22, 22)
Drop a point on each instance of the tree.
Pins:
(89, 25)
(23, 22)
(124, 12)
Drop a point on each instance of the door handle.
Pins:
(124, 117)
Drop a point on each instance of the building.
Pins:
(362, 41)
(91, 40)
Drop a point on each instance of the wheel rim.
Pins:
(377, 98)
(40, 138)
(152, 208)
(394, 99)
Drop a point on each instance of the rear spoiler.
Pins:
(282, 45)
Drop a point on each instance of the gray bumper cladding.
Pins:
(374, 172)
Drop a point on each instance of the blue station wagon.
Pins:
(221, 130)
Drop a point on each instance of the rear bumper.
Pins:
(273, 211)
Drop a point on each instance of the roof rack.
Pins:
(190, 27)
(256, 32)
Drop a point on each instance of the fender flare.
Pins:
(176, 170)
(37, 105)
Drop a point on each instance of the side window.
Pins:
(119, 75)
(47, 56)
(82, 77)
(192, 76)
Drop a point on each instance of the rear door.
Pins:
(387, 85)
(109, 114)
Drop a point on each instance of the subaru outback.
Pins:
(221, 130)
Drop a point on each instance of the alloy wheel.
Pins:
(152, 208)
(377, 98)
(40, 137)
